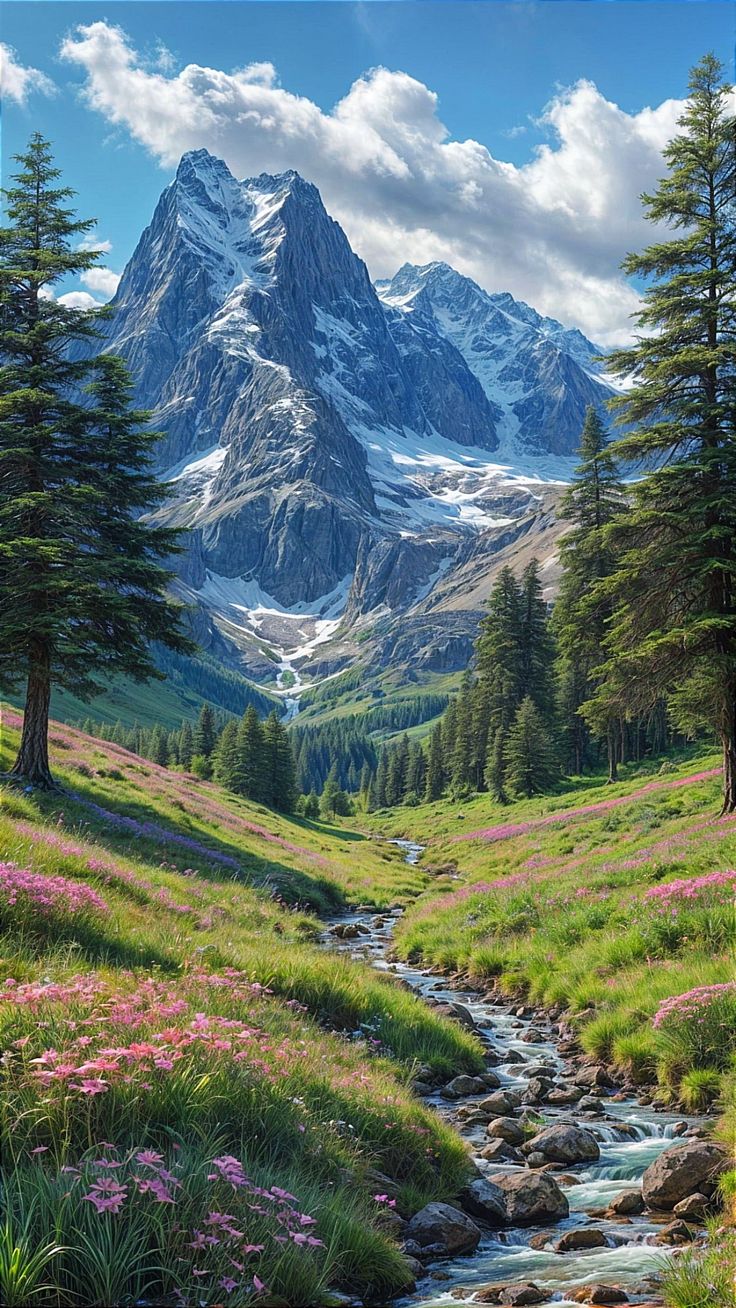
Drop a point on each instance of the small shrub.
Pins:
(699, 1088)
(636, 1054)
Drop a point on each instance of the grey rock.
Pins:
(565, 1144)
(585, 1237)
(441, 1225)
(508, 1129)
(484, 1200)
(682, 1170)
(532, 1198)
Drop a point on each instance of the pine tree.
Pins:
(82, 586)
(334, 801)
(250, 778)
(382, 800)
(434, 785)
(461, 764)
(530, 766)
(159, 746)
(415, 773)
(205, 732)
(674, 590)
(581, 618)
(398, 766)
(186, 745)
(225, 756)
(537, 648)
(281, 769)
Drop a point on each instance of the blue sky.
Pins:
(493, 67)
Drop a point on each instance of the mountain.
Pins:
(352, 461)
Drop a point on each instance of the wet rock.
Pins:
(513, 1056)
(502, 1103)
(538, 1089)
(421, 1089)
(589, 1104)
(626, 1203)
(485, 1200)
(600, 1294)
(595, 1077)
(508, 1129)
(587, 1237)
(534, 1036)
(542, 1240)
(441, 1226)
(565, 1144)
(345, 931)
(564, 1094)
(416, 1268)
(532, 1198)
(439, 1276)
(490, 1079)
(693, 1206)
(463, 1085)
(681, 1171)
(536, 1159)
(675, 1233)
(500, 1152)
(462, 1015)
(513, 1295)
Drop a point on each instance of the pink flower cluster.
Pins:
(506, 830)
(693, 1003)
(46, 895)
(684, 889)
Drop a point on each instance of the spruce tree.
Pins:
(434, 785)
(381, 794)
(186, 745)
(225, 756)
(250, 777)
(581, 617)
(674, 590)
(82, 585)
(398, 766)
(415, 773)
(530, 764)
(537, 650)
(500, 672)
(205, 732)
(461, 763)
(281, 769)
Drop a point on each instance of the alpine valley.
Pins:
(354, 462)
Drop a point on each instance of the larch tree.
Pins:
(83, 589)
(674, 591)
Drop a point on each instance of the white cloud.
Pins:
(552, 231)
(102, 280)
(79, 300)
(17, 81)
(92, 243)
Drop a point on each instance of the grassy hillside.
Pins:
(178, 1049)
(614, 902)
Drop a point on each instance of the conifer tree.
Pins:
(537, 650)
(499, 666)
(281, 770)
(159, 746)
(593, 500)
(415, 773)
(225, 756)
(674, 590)
(186, 745)
(461, 763)
(205, 732)
(381, 799)
(434, 785)
(398, 766)
(82, 585)
(530, 764)
(250, 776)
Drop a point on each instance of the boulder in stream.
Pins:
(485, 1200)
(681, 1171)
(565, 1144)
(441, 1226)
(601, 1294)
(532, 1198)
(626, 1204)
(508, 1129)
(516, 1296)
(584, 1237)
(461, 1086)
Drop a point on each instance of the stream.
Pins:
(629, 1135)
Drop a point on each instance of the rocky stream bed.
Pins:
(584, 1206)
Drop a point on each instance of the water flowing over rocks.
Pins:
(559, 1211)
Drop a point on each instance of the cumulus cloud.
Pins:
(79, 300)
(94, 243)
(552, 231)
(102, 280)
(17, 81)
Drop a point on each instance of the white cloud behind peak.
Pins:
(552, 231)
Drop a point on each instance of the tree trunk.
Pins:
(612, 763)
(728, 739)
(32, 763)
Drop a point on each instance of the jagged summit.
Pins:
(326, 438)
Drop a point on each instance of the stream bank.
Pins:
(595, 1241)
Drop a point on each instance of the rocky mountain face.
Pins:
(346, 457)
